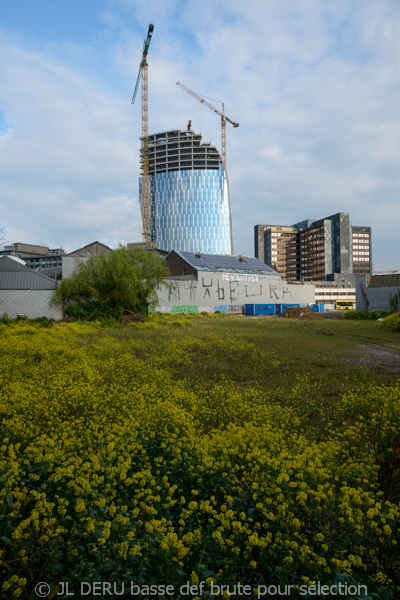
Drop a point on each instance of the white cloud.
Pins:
(69, 161)
(313, 85)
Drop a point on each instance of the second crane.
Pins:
(224, 118)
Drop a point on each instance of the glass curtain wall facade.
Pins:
(189, 194)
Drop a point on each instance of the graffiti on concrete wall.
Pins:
(233, 291)
(184, 308)
(193, 290)
(228, 308)
(257, 292)
(206, 308)
(174, 290)
(272, 291)
(217, 289)
(162, 308)
(188, 309)
(206, 287)
(285, 290)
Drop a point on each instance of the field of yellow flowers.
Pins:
(201, 451)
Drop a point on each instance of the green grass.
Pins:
(269, 353)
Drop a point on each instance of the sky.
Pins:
(314, 86)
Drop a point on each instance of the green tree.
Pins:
(120, 282)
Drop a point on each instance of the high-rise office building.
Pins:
(189, 194)
(329, 249)
(362, 260)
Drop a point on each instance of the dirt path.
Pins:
(383, 358)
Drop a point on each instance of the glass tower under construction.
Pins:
(189, 204)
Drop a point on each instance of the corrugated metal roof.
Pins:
(25, 281)
(15, 276)
(93, 249)
(12, 263)
(226, 263)
(392, 280)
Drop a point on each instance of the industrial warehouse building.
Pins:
(23, 291)
(209, 283)
(41, 258)
(189, 205)
(72, 260)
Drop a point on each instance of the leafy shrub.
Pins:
(92, 311)
(39, 321)
(362, 314)
(391, 322)
(42, 321)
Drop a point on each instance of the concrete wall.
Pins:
(217, 291)
(378, 297)
(32, 303)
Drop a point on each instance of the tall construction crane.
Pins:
(143, 77)
(224, 118)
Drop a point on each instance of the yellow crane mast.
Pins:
(224, 118)
(143, 77)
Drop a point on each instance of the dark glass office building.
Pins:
(189, 194)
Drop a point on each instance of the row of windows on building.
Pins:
(212, 245)
(195, 190)
(192, 220)
(188, 233)
(180, 209)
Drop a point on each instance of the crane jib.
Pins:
(145, 50)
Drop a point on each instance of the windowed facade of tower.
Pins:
(362, 262)
(312, 244)
(189, 194)
(282, 250)
(329, 249)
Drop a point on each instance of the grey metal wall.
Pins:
(32, 303)
(378, 297)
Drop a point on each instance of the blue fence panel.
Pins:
(318, 308)
(249, 309)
